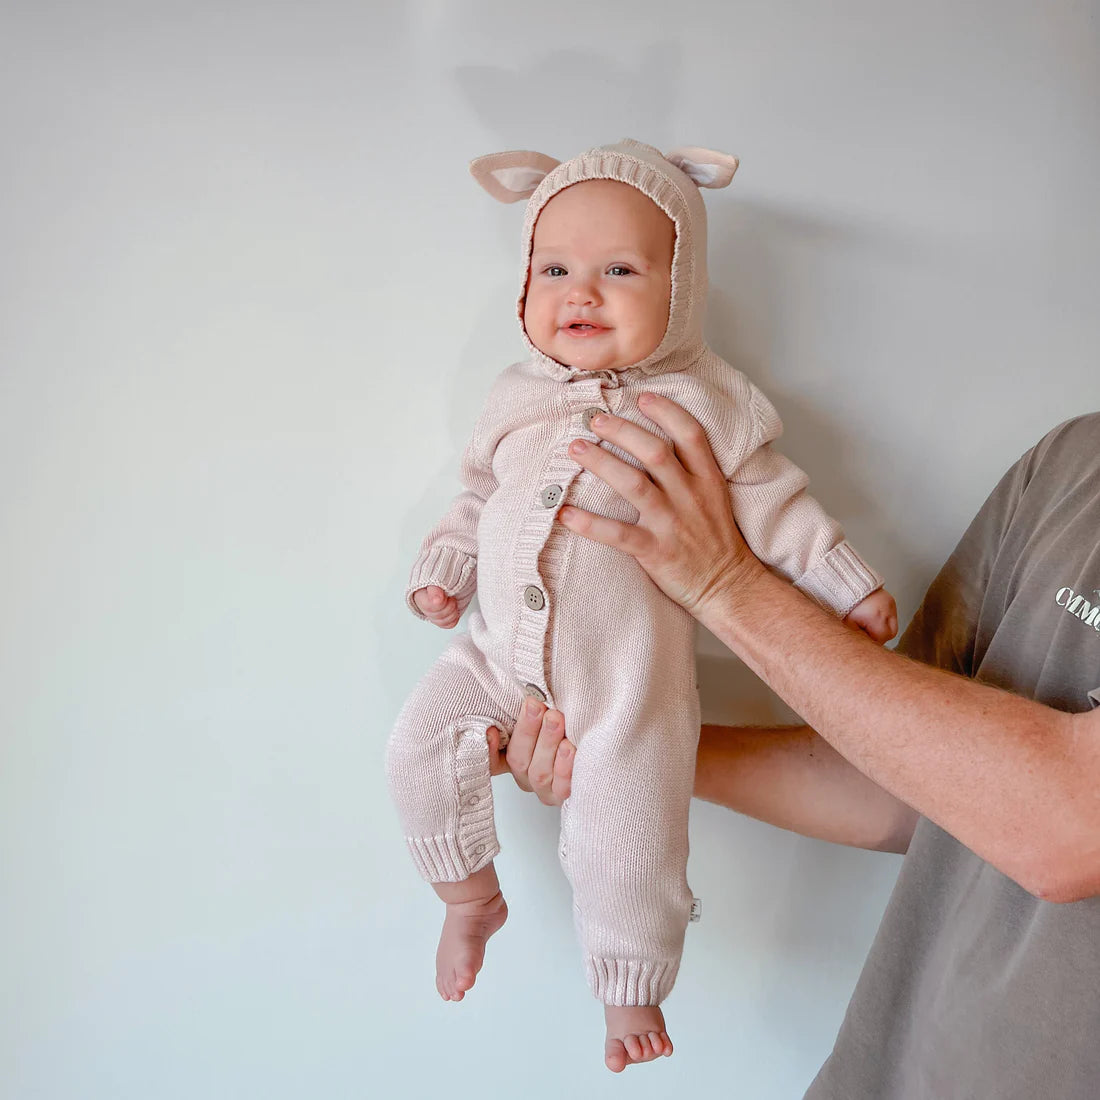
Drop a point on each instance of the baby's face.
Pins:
(601, 276)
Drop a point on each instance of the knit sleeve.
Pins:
(787, 528)
(448, 555)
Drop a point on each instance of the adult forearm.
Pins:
(791, 778)
(1013, 780)
(1001, 773)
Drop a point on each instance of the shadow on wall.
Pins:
(792, 305)
(769, 270)
(557, 94)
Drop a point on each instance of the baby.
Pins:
(611, 306)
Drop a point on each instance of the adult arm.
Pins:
(793, 778)
(786, 776)
(1016, 782)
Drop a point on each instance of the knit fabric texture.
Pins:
(582, 626)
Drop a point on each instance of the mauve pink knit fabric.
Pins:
(584, 626)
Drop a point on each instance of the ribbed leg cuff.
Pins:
(455, 856)
(440, 859)
(631, 981)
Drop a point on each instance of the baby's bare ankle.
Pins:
(480, 888)
(478, 907)
(467, 927)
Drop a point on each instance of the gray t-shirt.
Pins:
(974, 989)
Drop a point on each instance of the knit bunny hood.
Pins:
(672, 182)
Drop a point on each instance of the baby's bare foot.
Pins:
(461, 951)
(635, 1033)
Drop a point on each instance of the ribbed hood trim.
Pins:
(643, 167)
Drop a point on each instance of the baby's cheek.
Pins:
(533, 322)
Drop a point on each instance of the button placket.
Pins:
(588, 414)
(558, 474)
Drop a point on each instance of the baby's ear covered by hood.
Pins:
(705, 167)
(510, 177)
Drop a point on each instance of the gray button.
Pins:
(535, 692)
(550, 496)
(587, 417)
(473, 800)
(479, 849)
(534, 598)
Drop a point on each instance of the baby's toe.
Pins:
(615, 1056)
(446, 985)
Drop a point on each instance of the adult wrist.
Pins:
(729, 591)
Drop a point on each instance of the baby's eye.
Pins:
(619, 269)
(556, 271)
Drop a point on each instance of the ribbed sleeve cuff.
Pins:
(631, 981)
(454, 571)
(840, 580)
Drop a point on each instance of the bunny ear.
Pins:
(510, 177)
(705, 167)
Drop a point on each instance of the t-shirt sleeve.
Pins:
(944, 629)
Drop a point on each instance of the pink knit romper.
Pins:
(581, 626)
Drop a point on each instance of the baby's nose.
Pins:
(582, 292)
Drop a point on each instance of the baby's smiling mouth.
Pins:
(582, 328)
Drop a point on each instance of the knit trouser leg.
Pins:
(437, 763)
(624, 848)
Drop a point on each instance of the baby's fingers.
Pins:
(436, 606)
(430, 600)
(448, 616)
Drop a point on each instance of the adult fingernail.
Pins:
(531, 708)
(578, 446)
(645, 399)
(599, 420)
(553, 721)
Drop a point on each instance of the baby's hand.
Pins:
(439, 608)
(876, 616)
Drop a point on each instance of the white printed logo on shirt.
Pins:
(1074, 603)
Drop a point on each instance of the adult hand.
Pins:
(539, 756)
(686, 538)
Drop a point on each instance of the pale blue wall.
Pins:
(250, 302)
